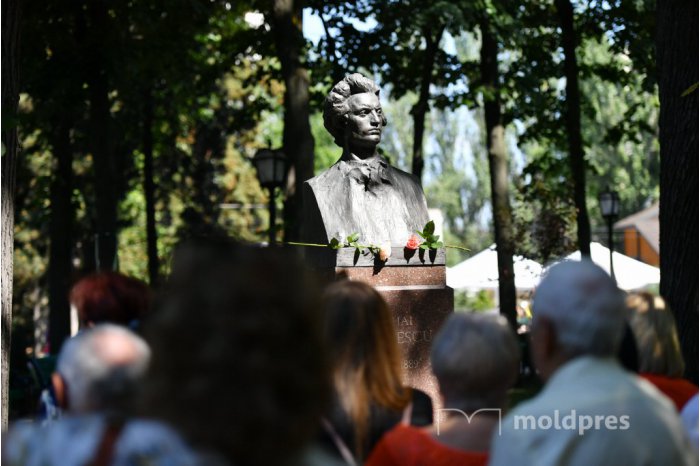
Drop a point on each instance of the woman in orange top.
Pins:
(475, 360)
(660, 358)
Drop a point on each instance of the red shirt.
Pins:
(677, 389)
(411, 446)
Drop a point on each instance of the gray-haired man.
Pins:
(97, 374)
(591, 411)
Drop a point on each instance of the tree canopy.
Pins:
(137, 122)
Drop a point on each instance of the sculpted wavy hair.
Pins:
(335, 108)
(238, 361)
(365, 354)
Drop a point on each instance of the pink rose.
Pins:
(413, 242)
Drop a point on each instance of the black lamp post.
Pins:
(610, 208)
(271, 166)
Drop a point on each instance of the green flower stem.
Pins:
(315, 245)
(370, 247)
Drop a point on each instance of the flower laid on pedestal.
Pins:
(431, 241)
(413, 243)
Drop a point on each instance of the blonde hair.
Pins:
(654, 329)
(365, 354)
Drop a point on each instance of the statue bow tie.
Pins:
(370, 173)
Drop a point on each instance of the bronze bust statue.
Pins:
(361, 193)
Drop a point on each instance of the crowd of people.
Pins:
(242, 358)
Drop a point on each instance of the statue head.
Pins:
(345, 109)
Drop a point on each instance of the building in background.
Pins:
(640, 235)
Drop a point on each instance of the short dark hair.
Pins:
(110, 297)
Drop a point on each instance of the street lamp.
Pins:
(271, 166)
(610, 208)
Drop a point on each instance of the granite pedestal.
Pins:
(413, 284)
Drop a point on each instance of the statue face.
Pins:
(364, 123)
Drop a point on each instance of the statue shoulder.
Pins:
(405, 177)
(323, 179)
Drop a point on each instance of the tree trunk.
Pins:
(298, 141)
(422, 106)
(149, 189)
(677, 60)
(573, 124)
(498, 164)
(61, 238)
(10, 93)
(106, 174)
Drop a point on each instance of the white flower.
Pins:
(384, 251)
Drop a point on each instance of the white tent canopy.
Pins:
(630, 274)
(481, 272)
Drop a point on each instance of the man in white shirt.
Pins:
(591, 411)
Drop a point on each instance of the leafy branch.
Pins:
(430, 239)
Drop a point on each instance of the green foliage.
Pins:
(480, 301)
(209, 80)
(326, 153)
(430, 239)
(217, 98)
(352, 241)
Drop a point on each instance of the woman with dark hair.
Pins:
(369, 398)
(238, 367)
(110, 297)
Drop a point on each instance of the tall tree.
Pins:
(573, 123)
(298, 142)
(10, 98)
(106, 172)
(404, 48)
(52, 47)
(677, 61)
(432, 34)
(498, 164)
(60, 234)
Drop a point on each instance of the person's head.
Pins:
(655, 331)
(99, 370)
(109, 297)
(475, 358)
(238, 359)
(352, 113)
(577, 310)
(364, 352)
